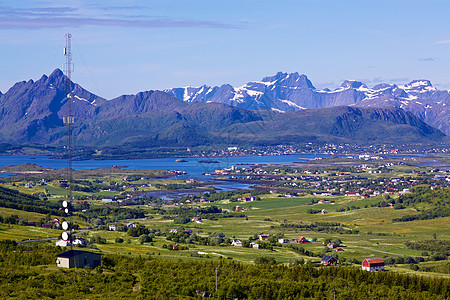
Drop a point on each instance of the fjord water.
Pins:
(194, 167)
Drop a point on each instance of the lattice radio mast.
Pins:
(68, 121)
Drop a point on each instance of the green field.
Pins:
(365, 230)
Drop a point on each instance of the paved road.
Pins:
(52, 238)
(37, 240)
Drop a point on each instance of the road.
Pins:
(52, 238)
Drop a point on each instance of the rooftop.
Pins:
(72, 253)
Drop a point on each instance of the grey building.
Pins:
(78, 259)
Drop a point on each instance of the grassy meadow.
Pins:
(365, 231)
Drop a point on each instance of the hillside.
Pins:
(340, 124)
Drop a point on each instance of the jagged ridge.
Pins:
(290, 92)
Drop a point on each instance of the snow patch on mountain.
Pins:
(85, 100)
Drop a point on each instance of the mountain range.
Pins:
(272, 111)
(291, 92)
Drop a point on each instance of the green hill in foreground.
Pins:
(23, 275)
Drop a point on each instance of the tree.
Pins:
(144, 238)
(181, 220)
(337, 242)
(98, 239)
(137, 231)
(265, 260)
(23, 222)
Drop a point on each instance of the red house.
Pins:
(303, 240)
(238, 208)
(373, 264)
(176, 247)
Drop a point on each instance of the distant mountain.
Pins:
(30, 108)
(185, 125)
(342, 124)
(290, 92)
(32, 112)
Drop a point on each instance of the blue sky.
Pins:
(124, 47)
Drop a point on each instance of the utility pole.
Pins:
(216, 277)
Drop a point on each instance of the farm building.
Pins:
(303, 240)
(328, 260)
(373, 264)
(63, 243)
(78, 259)
(236, 243)
(254, 245)
(238, 208)
(80, 242)
(263, 237)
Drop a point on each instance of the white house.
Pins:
(63, 243)
(254, 245)
(236, 243)
(197, 220)
(80, 241)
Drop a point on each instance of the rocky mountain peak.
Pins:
(352, 84)
(291, 79)
(421, 85)
(383, 86)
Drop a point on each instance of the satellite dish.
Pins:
(66, 210)
(66, 236)
(65, 225)
(65, 203)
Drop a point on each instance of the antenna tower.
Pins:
(68, 121)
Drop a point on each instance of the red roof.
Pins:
(373, 262)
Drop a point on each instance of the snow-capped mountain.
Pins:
(287, 92)
(32, 112)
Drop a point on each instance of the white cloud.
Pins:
(426, 59)
(442, 42)
(60, 17)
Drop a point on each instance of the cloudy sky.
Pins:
(123, 47)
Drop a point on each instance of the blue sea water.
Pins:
(194, 167)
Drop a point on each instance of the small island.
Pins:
(206, 161)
